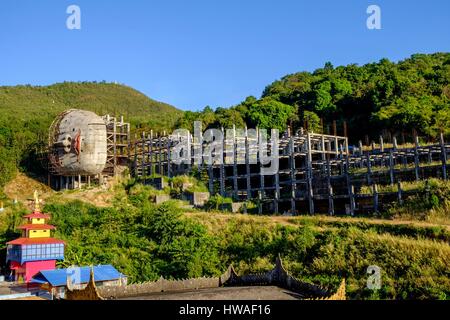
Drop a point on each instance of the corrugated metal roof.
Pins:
(37, 227)
(27, 241)
(58, 277)
(37, 215)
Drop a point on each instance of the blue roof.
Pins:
(58, 277)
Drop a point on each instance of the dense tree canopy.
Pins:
(411, 94)
(264, 113)
(397, 97)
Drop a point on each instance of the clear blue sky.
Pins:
(193, 53)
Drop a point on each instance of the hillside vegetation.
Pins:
(26, 103)
(146, 241)
(26, 113)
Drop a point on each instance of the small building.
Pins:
(36, 250)
(58, 281)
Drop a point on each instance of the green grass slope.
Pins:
(45, 102)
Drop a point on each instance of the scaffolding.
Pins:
(316, 173)
(118, 144)
(118, 148)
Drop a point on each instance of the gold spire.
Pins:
(37, 207)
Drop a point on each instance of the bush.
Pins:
(186, 183)
(216, 201)
(431, 202)
(144, 242)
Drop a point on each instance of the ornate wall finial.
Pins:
(91, 275)
(37, 207)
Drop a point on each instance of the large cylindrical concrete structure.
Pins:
(78, 143)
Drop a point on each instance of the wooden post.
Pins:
(322, 143)
(330, 200)
(381, 144)
(293, 176)
(148, 162)
(277, 192)
(391, 167)
(375, 198)
(168, 157)
(352, 200)
(347, 152)
(198, 149)
(443, 157)
(328, 171)
(416, 158)
(235, 171)
(190, 153)
(160, 155)
(211, 179)
(247, 165)
(405, 158)
(350, 188)
(334, 128)
(222, 167)
(114, 147)
(361, 155)
(345, 129)
(336, 146)
(369, 169)
(309, 174)
(400, 192)
(259, 202)
(261, 183)
(150, 152)
(395, 144)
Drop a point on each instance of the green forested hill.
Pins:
(411, 94)
(27, 103)
(26, 113)
(379, 97)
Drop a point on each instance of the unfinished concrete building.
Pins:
(317, 173)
